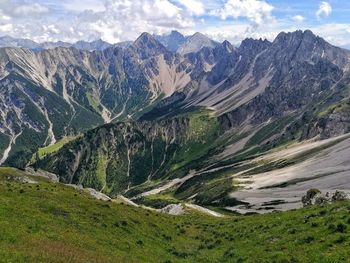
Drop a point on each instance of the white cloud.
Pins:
(298, 19)
(4, 17)
(29, 10)
(336, 33)
(6, 28)
(255, 10)
(239, 31)
(118, 20)
(195, 7)
(325, 9)
(126, 19)
(77, 6)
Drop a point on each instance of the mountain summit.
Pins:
(195, 43)
(147, 46)
(172, 41)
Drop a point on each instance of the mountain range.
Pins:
(174, 42)
(170, 118)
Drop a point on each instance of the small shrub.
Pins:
(309, 239)
(210, 246)
(182, 231)
(341, 228)
(229, 253)
(340, 239)
(168, 238)
(322, 212)
(292, 231)
(332, 227)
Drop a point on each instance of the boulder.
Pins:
(340, 196)
(316, 197)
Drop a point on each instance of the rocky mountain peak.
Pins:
(146, 40)
(296, 37)
(250, 44)
(198, 35)
(302, 46)
(176, 34)
(147, 45)
(144, 37)
(195, 43)
(172, 41)
(98, 44)
(227, 46)
(8, 41)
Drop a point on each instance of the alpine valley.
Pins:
(171, 119)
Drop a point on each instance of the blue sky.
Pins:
(119, 20)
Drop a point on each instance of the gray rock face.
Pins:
(315, 197)
(303, 70)
(173, 209)
(195, 43)
(147, 46)
(94, 45)
(172, 41)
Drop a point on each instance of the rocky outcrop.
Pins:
(173, 209)
(316, 197)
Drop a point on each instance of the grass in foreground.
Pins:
(48, 222)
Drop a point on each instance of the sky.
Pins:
(120, 20)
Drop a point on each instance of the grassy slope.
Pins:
(55, 147)
(49, 222)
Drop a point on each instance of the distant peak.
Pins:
(252, 41)
(199, 35)
(144, 35)
(174, 32)
(146, 38)
(227, 45)
(309, 32)
(147, 45)
(296, 34)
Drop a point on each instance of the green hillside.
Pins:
(50, 222)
